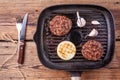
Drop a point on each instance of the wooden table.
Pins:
(32, 68)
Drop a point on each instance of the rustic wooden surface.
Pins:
(32, 68)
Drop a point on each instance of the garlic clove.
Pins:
(80, 21)
(95, 22)
(93, 33)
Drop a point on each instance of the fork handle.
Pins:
(21, 50)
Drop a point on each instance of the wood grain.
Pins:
(32, 68)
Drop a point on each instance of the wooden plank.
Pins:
(29, 73)
(101, 74)
(43, 2)
(8, 48)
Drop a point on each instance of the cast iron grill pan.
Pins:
(47, 42)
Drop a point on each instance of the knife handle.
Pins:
(21, 52)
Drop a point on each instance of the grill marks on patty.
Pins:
(60, 25)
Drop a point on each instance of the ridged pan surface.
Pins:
(47, 42)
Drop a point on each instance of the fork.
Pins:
(19, 27)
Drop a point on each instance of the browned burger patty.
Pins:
(92, 50)
(60, 25)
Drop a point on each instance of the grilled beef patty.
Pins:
(60, 25)
(92, 50)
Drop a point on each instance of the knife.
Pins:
(21, 45)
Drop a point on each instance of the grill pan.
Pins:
(47, 42)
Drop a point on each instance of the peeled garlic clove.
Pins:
(94, 32)
(80, 21)
(95, 22)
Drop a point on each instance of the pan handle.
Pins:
(76, 75)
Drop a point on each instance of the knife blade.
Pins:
(21, 45)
